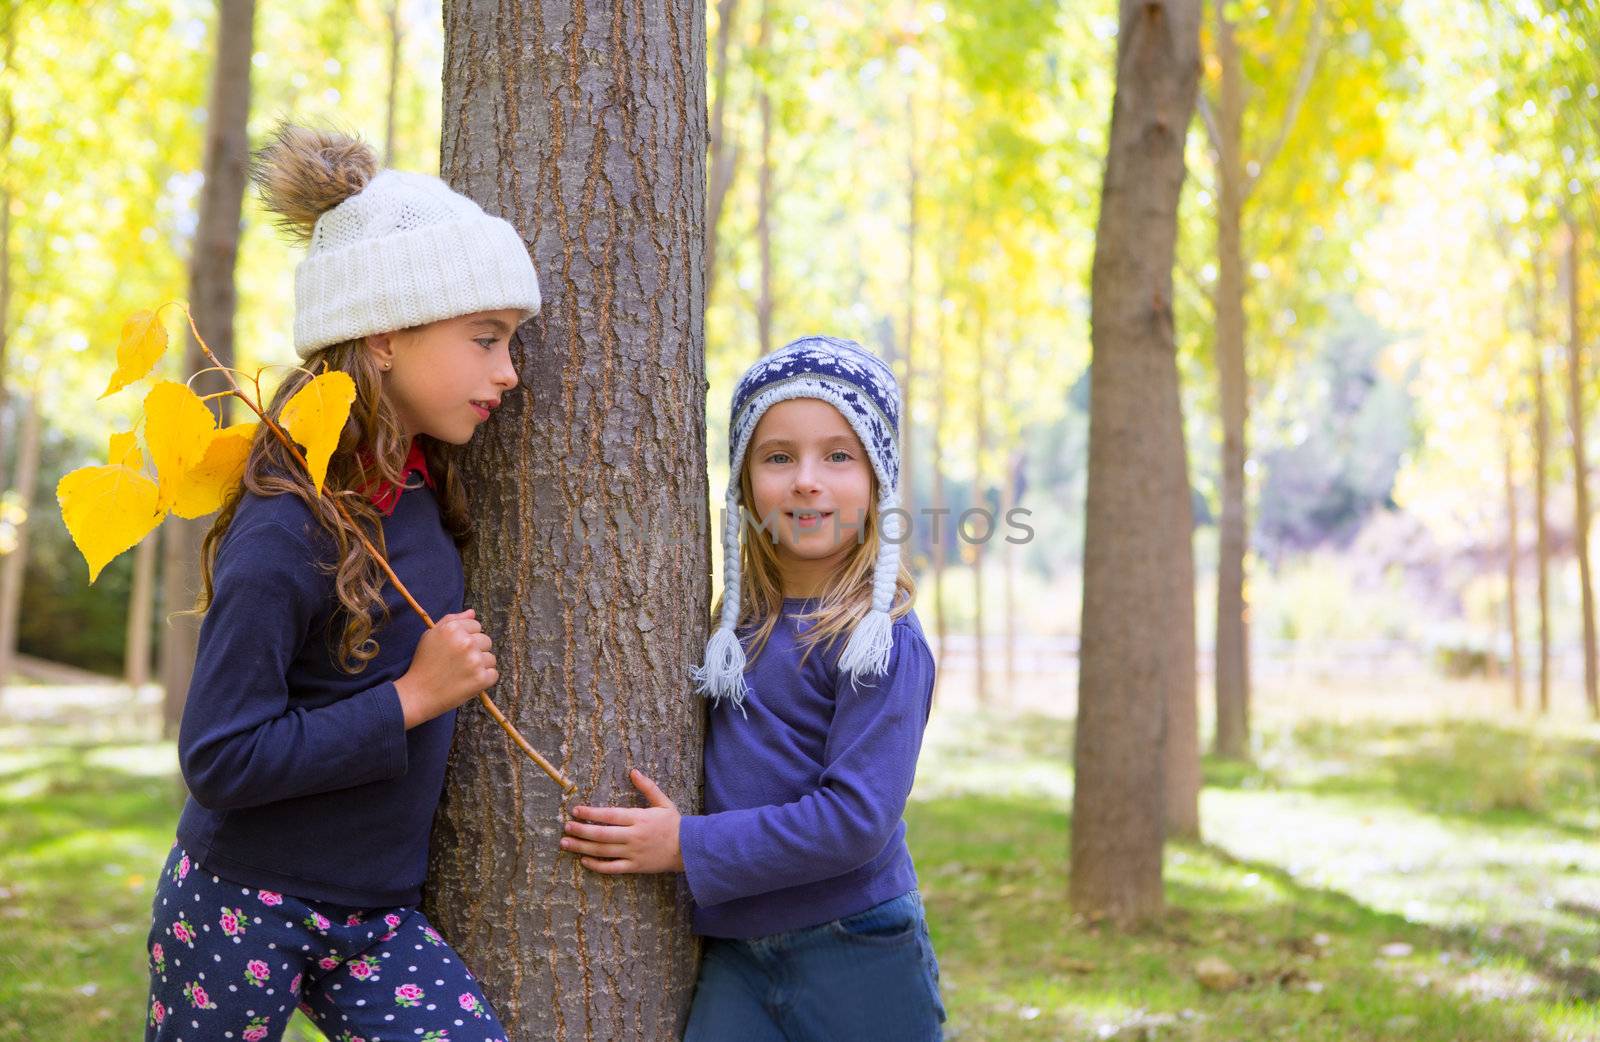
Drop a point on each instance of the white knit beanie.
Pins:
(862, 387)
(404, 251)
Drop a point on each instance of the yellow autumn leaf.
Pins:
(315, 416)
(125, 451)
(203, 486)
(107, 510)
(144, 339)
(177, 429)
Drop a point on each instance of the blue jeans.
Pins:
(871, 976)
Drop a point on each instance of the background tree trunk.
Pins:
(15, 562)
(584, 125)
(764, 301)
(1541, 470)
(980, 500)
(1512, 551)
(392, 98)
(1232, 656)
(141, 602)
(211, 300)
(1138, 585)
(723, 155)
(1580, 471)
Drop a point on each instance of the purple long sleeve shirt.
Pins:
(804, 797)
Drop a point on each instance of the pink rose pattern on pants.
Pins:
(227, 960)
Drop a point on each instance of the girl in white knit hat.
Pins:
(820, 683)
(321, 711)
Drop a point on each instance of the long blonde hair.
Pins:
(845, 600)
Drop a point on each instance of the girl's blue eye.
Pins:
(487, 344)
(777, 457)
(841, 453)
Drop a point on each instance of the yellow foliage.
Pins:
(144, 339)
(125, 451)
(315, 416)
(177, 429)
(107, 510)
(203, 487)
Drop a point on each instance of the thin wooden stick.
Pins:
(294, 450)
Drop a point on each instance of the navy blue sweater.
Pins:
(804, 797)
(303, 778)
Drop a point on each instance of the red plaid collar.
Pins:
(385, 495)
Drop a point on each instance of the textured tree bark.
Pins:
(1580, 471)
(584, 125)
(1138, 588)
(211, 301)
(1541, 471)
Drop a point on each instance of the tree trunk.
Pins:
(141, 602)
(1541, 468)
(7, 132)
(723, 156)
(908, 441)
(1137, 647)
(1232, 657)
(396, 34)
(980, 501)
(211, 300)
(1008, 573)
(1580, 470)
(764, 305)
(584, 125)
(1513, 549)
(15, 563)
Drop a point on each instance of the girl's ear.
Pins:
(381, 346)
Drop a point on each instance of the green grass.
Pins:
(1370, 881)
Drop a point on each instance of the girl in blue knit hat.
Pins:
(820, 683)
(320, 715)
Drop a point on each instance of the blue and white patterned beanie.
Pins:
(862, 387)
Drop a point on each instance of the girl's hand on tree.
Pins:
(454, 661)
(625, 839)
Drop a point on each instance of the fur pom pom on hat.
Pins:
(387, 250)
(862, 387)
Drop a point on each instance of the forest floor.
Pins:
(1411, 876)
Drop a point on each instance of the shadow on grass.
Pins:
(1019, 966)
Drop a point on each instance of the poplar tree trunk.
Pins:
(141, 602)
(1512, 551)
(1580, 471)
(1137, 647)
(723, 156)
(979, 500)
(1541, 469)
(939, 515)
(764, 303)
(1231, 657)
(584, 125)
(396, 35)
(15, 563)
(211, 300)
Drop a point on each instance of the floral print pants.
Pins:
(233, 962)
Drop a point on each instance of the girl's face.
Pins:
(811, 482)
(446, 377)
